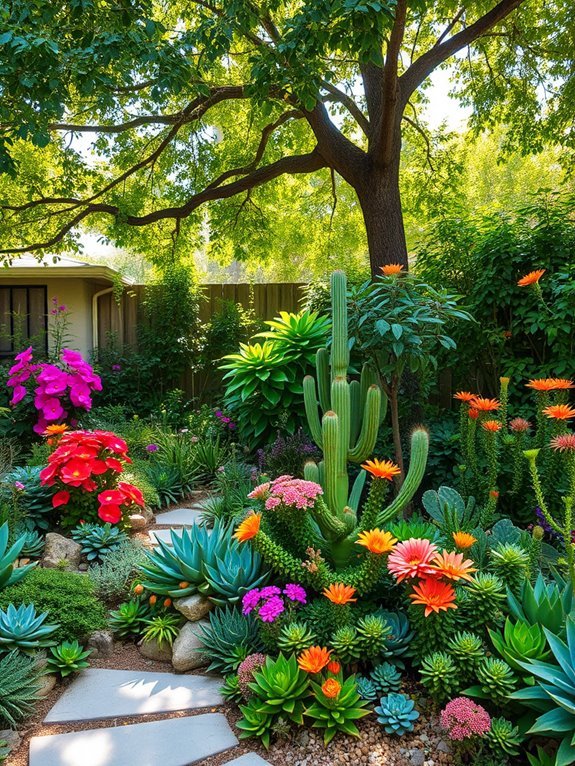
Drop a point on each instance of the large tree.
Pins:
(203, 101)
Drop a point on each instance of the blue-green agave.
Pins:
(544, 604)
(21, 628)
(9, 575)
(396, 713)
(98, 539)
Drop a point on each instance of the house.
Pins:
(28, 288)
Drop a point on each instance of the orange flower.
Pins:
(435, 595)
(249, 527)
(334, 667)
(494, 494)
(473, 414)
(491, 425)
(338, 593)
(463, 539)
(381, 469)
(314, 659)
(464, 396)
(560, 411)
(550, 384)
(183, 585)
(484, 405)
(452, 566)
(138, 589)
(392, 269)
(167, 602)
(331, 688)
(377, 541)
(562, 383)
(532, 278)
(55, 429)
(152, 600)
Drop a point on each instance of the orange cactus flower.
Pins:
(381, 469)
(561, 384)
(484, 405)
(464, 396)
(392, 269)
(338, 593)
(314, 659)
(550, 384)
(435, 595)
(452, 566)
(563, 442)
(463, 539)
(331, 688)
(473, 414)
(491, 425)
(559, 411)
(377, 541)
(494, 494)
(532, 278)
(334, 667)
(249, 527)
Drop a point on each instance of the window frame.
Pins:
(9, 353)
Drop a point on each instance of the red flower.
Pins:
(110, 512)
(47, 475)
(75, 471)
(114, 464)
(98, 467)
(131, 492)
(111, 497)
(89, 485)
(60, 498)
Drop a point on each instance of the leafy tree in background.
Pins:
(201, 101)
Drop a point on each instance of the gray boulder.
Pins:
(186, 652)
(194, 607)
(60, 550)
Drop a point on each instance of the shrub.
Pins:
(19, 686)
(113, 577)
(68, 598)
(288, 454)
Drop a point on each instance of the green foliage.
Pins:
(397, 643)
(338, 713)
(177, 453)
(450, 511)
(68, 657)
(520, 642)
(396, 713)
(165, 482)
(544, 603)
(9, 575)
(439, 675)
(4, 750)
(162, 628)
(98, 540)
(496, 681)
(386, 678)
(23, 629)
(230, 690)
(229, 638)
(34, 501)
(504, 738)
(230, 493)
(295, 637)
(542, 758)
(67, 597)
(33, 545)
(510, 563)
(229, 325)
(114, 575)
(129, 619)
(467, 650)
(481, 601)
(288, 454)
(346, 644)
(372, 634)
(415, 526)
(19, 687)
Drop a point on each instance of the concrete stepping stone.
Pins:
(165, 535)
(249, 759)
(179, 517)
(171, 742)
(113, 693)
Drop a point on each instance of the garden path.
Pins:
(125, 697)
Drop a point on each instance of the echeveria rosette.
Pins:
(336, 707)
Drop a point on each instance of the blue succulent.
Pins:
(398, 641)
(386, 678)
(366, 689)
(396, 713)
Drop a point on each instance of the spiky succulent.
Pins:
(544, 604)
(481, 601)
(295, 637)
(439, 675)
(97, 540)
(162, 628)
(396, 713)
(372, 633)
(128, 620)
(496, 681)
(366, 688)
(33, 544)
(230, 689)
(68, 657)
(335, 712)
(8, 556)
(35, 500)
(397, 643)
(520, 642)
(20, 685)
(386, 678)
(21, 628)
(467, 651)
(510, 563)
(346, 645)
(229, 638)
(503, 738)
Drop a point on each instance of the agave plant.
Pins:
(69, 657)
(21, 628)
(335, 712)
(396, 713)
(97, 540)
(20, 685)
(544, 604)
(229, 638)
(520, 642)
(9, 575)
(33, 544)
(129, 619)
(233, 573)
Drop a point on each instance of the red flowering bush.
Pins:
(84, 470)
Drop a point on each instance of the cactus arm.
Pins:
(330, 525)
(323, 378)
(311, 411)
(341, 401)
(356, 411)
(369, 428)
(339, 347)
(335, 469)
(356, 490)
(417, 464)
(311, 471)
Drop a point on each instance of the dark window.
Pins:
(23, 318)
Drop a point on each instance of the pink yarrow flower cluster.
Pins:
(287, 492)
(58, 388)
(463, 718)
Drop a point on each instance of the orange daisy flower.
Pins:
(484, 405)
(491, 425)
(435, 595)
(550, 384)
(473, 414)
(562, 383)
(377, 541)
(532, 278)
(314, 659)
(381, 469)
(559, 411)
(334, 667)
(249, 527)
(338, 593)
(331, 688)
(392, 269)
(453, 566)
(463, 539)
(55, 429)
(464, 396)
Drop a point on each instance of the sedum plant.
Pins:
(439, 675)
(503, 738)
(229, 638)
(481, 601)
(386, 678)
(467, 650)
(21, 628)
(68, 657)
(230, 689)
(396, 713)
(336, 707)
(372, 633)
(295, 637)
(510, 563)
(97, 540)
(128, 620)
(345, 644)
(496, 681)
(520, 642)
(20, 684)
(8, 574)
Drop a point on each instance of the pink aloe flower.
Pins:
(412, 558)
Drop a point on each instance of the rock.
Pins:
(155, 651)
(416, 757)
(60, 550)
(194, 607)
(11, 738)
(47, 683)
(83, 567)
(186, 654)
(137, 522)
(102, 641)
(442, 746)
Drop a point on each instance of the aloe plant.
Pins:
(8, 556)
(21, 628)
(544, 604)
(129, 619)
(67, 658)
(337, 713)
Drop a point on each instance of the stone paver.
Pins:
(100, 694)
(161, 534)
(180, 517)
(172, 742)
(249, 759)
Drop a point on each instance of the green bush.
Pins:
(69, 599)
(113, 577)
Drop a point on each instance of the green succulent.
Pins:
(542, 758)
(338, 713)
(295, 637)
(396, 713)
(230, 690)
(4, 750)
(302, 333)
(467, 650)
(503, 738)
(20, 685)
(372, 634)
(544, 604)
(386, 678)
(128, 620)
(346, 645)
(162, 628)
(397, 643)
(21, 628)
(229, 638)
(439, 675)
(9, 575)
(165, 481)
(415, 527)
(366, 688)
(481, 601)
(520, 642)
(68, 657)
(496, 681)
(97, 540)
(35, 500)
(33, 544)
(233, 574)
(510, 563)
(450, 511)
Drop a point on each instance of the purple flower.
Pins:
(152, 448)
(269, 591)
(272, 609)
(295, 592)
(116, 367)
(250, 600)
(19, 485)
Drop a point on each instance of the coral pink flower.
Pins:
(464, 718)
(412, 558)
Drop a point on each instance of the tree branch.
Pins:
(384, 139)
(350, 105)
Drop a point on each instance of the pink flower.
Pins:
(19, 486)
(17, 395)
(53, 410)
(464, 718)
(25, 356)
(412, 558)
(260, 492)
